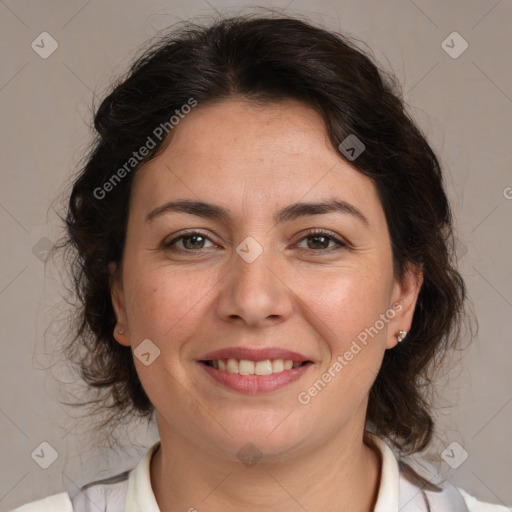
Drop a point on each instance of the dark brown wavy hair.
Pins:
(267, 59)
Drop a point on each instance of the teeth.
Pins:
(232, 366)
(245, 367)
(263, 367)
(277, 365)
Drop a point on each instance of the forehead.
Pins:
(236, 152)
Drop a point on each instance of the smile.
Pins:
(246, 367)
(256, 375)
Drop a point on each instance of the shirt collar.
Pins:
(387, 497)
(140, 496)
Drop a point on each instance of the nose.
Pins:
(256, 293)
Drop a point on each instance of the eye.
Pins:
(194, 241)
(319, 241)
(189, 242)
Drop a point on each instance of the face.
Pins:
(253, 279)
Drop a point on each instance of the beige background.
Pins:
(463, 104)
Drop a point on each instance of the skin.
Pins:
(255, 160)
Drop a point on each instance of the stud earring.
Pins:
(120, 331)
(401, 335)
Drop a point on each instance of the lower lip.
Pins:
(254, 384)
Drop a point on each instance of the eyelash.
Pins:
(314, 232)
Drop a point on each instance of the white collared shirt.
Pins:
(132, 492)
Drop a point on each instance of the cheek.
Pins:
(348, 301)
(163, 302)
(165, 309)
(352, 315)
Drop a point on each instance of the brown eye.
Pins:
(319, 241)
(192, 242)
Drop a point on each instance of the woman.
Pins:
(262, 244)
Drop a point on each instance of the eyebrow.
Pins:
(289, 213)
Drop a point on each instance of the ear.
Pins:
(119, 304)
(403, 301)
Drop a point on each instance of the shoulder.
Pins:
(411, 483)
(480, 506)
(108, 495)
(113, 494)
(57, 503)
(441, 493)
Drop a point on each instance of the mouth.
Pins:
(254, 370)
(247, 367)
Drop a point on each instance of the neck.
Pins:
(344, 472)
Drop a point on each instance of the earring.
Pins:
(401, 335)
(120, 331)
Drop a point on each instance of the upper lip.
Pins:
(254, 354)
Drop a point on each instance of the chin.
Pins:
(270, 440)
